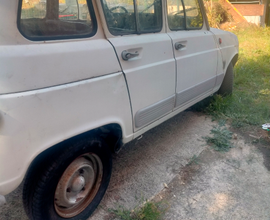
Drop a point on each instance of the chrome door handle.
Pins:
(179, 46)
(128, 55)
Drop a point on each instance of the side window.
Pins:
(149, 15)
(184, 14)
(133, 16)
(120, 16)
(56, 19)
(176, 15)
(194, 18)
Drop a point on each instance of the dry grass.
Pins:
(216, 13)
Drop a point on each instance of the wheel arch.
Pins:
(46, 161)
(234, 59)
(110, 133)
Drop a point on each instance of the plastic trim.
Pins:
(194, 91)
(152, 112)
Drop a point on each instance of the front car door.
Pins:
(136, 30)
(195, 50)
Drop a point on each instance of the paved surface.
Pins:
(2, 200)
(233, 185)
(143, 166)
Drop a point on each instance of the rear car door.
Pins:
(195, 50)
(136, 30)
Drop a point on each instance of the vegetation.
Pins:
(250, 103)
(221, 139)
(150, 211)
(216, 13)
(193, 160)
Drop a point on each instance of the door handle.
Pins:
(128, 55)
(179, 46)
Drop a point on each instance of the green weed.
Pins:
(221, 139)
(150, 211)
(194, 159)
(122, 213)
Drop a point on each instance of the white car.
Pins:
(81, 78)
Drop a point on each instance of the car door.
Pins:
(195, 50)
(136, 31)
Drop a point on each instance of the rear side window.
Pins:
(176, 15)
(133, 16)
(194, 18)
(184, 14)
(56, 19)
(149, 15)
(120, 16)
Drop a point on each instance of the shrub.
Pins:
(216, 13)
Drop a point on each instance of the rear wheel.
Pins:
(71, 185)
(226, 87)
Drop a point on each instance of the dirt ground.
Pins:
(172, 163)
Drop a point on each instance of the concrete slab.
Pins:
(233, 185)
(143, 166)
(2, 200)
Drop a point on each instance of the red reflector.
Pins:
(219, 40)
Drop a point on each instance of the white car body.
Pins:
(53, 90)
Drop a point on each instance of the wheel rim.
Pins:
(78, 185)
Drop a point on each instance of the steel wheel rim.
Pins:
(78, 185)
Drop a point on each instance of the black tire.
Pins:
(226, 87)
(81, 172)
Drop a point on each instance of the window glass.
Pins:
(33, 9)
(194, 19)
(149, 15)
(120, 16)
(51, 19)
(176, 15)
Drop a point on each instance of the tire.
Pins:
(226, 87)
(71, 184)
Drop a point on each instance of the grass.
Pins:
(250, 103)
(193, 160)
(150, 211)
(221, 139)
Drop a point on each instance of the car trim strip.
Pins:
(194, 91)
(152, 112)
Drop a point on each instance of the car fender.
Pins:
(33, 121)
(228, 44)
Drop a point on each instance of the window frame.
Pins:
(185, 28)
(136, 21)
(63, 37)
